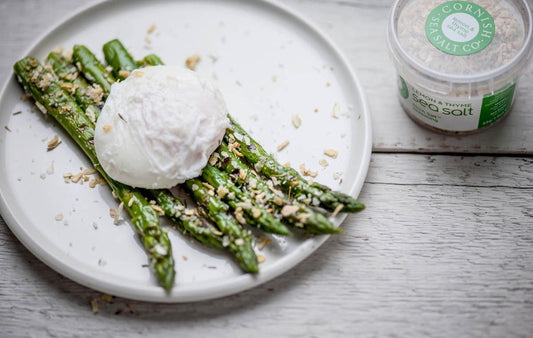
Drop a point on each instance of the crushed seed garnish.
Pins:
(296, 121)
(331, 153)
(192, 61)
(263, 242)
(124, 73)
(283, 145)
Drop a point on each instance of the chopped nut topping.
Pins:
(89, 172)
(307, 172)
(337, 175)
(158, 209)
(58, 50)
(287, 165)
(66, 108)
(53, 143)
(288, 210)
(95, 93)
(94, 305)
(124, 73)
(252, 183)
(256, 212)
(331, 153)
(59, 217)
(41, 107)
(296, 121)
(68, 55)
(337, 210)
(138, 73)
(323, 163)
(76, 178)
(237, 153)
(213, 160)
(335, 111)
(151, 29)
(192, 61)
(242, 174)
(106, 298)
(278, 200)
(107, 128)
(261, 259)
(239, 215)
(208, 186)
(222, 191)
(239, 241)
(264, 241)
(93, 183)
(283, 145)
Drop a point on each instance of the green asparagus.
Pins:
(186, 221)
(88, 97)
(92, 68)
(287, 178)
(237, 240)
(244, 206)
(51, 98)
(115, 54)
(296, 214)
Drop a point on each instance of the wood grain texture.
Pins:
(444, 248)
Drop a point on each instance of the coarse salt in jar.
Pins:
(458, 62)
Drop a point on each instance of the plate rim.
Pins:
(229, 286)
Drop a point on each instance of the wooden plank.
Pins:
(429, 256)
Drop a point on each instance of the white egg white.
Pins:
(159, 127)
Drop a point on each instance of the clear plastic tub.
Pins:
(458, 62)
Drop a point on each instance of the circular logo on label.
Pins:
(460, 28)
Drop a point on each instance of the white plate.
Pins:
(269, 63)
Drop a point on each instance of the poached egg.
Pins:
(159, 127)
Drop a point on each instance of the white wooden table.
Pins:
(444, 248)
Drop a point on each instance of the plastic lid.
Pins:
(461, 40)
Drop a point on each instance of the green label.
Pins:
(496, 105)
(460, 28)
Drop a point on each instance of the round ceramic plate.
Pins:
(272, 67)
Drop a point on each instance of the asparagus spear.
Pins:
(51, 98)
(152, 60)
(287, 178)
(186, 221)
(245, 207)
(92, 68)
(237, 240)
(87, 97)
(116, 54)
(294, 213)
